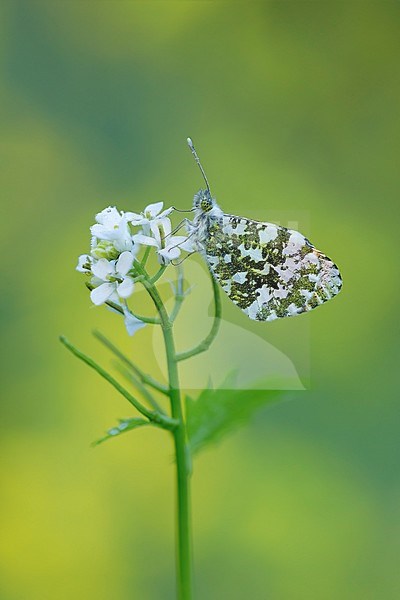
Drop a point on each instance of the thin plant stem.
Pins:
(182, 452)
(144, 378)
(139, 386)
(208, 340)
(145, 256)
(159, 273)
(153, 416)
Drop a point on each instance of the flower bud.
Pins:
(105, 249)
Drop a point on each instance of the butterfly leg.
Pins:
(184, 222)
(176, 264)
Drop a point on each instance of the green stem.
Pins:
(208, 340)
(144, 378)
(159, 273)
(139, 386)
(153, 416)
(145, 256)
(183, 471)
(182, 452)
(183, 474)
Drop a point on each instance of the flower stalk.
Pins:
(153, 416)
(115, 268)
(182, 451)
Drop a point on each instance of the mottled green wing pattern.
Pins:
(267, 270)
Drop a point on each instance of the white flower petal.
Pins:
(166, 225)
(97, 230)
(125, 289)
(124, 263)
(109, 217)
(133, 324)
(174, 252)
(102, 268)
(170, 252)
(114, 297)
(142, 221)
(123, 243)
(155, 230)
(83, 261)
(153, 209)
(165, 213)
(132, 216)
(144, 239)
(102, 293)
(163, 260)
(104, 233)
(179, 242)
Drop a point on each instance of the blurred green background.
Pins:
(294, 107)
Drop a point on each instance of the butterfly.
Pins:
(268, 271)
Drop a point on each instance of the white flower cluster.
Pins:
(117, 238)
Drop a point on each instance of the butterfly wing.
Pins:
(268, 271)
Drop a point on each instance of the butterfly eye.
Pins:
(206, 205)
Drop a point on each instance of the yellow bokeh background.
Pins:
(294, 109)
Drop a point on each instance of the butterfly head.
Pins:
(203, 201)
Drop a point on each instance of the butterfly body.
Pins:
(267, 270)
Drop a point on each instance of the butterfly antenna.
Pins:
(196, 158)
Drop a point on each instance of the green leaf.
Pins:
(217, 412)
(124, 426)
